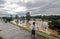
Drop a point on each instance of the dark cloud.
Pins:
(37, 7)
(2, 1)
(1, 6)
(33, 4)
(45, 7)
(53, 7)
(30, 5)
(21, 13)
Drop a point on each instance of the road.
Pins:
(9, 31)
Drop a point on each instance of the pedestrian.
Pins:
(33, 30)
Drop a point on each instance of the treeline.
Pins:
(7, 19)
(11, 18)
(55, 21)
(54, 24)
(51, 17)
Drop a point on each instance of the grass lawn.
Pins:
(40, 33)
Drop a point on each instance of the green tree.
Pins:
(54, 24)
(28, 16)
(11, 17)
(22, 18)
(16, 17)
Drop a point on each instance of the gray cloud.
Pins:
(1, 6)
(30, 5)
(37, 7)
(2, 1)
(53, 7)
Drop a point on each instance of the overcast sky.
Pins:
(35, 7)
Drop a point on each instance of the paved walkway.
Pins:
(9, 31)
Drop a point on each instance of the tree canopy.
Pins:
(28, 16)
(54, 24)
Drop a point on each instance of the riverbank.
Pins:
(38, 33)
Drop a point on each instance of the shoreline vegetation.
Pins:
(54, 22)
(38, 33)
